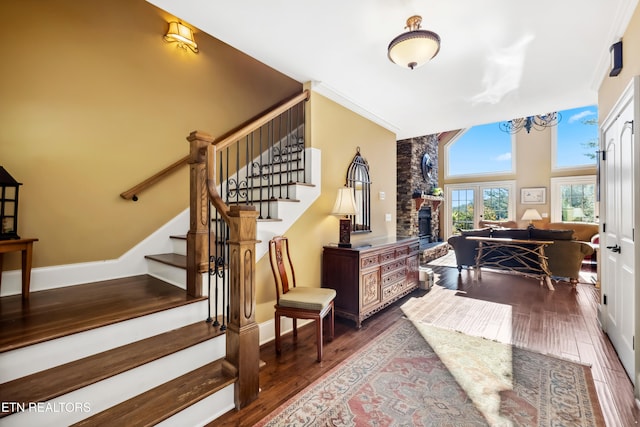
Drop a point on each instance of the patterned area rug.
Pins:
(399, 380)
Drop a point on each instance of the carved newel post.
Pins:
(243, 334)
(197, 250)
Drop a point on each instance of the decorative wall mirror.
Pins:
(358, 179)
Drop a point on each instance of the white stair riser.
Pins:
(38, 357)
(204, 411)
(111, 391)
(179, 246)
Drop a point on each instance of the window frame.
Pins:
(554, 149)
(556, 194)
(447, 157)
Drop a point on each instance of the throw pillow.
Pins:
(539, 234)
(511, 233)
(478, 232)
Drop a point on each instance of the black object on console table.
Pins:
(369, 277)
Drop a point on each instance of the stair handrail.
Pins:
(132, 193)
(261, 120)
(224, 141)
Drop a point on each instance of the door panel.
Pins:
(618, 249)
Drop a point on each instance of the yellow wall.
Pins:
(337, 132)
(612, 87)
(93, 101)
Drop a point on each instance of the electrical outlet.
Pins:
(387, 217)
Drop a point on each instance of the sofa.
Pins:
(582, 231)
(564, 256)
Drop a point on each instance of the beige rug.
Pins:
(493, 375)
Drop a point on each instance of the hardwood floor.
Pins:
(561, 322)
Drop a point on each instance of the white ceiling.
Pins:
(499, 59)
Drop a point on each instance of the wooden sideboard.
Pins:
(370, 277)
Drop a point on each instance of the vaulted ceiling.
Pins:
(499, 59)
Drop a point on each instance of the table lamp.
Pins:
(345, 205)
(531, 215)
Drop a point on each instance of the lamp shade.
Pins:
(345, 202)
(577, 213)
(182, 35)
(414, 48)
(531, 215)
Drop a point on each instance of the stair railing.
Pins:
(252, 165)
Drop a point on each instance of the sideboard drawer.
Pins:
(394, 277)
(386, 268)
(387, 256)
(396, 290)
(369, 261)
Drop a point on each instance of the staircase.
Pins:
(74, 352)
(140, 360)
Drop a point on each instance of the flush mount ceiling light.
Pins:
(538, 122)
(181, 34)
(414, 48)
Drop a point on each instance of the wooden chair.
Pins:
(297, 302)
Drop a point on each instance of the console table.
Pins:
(26, 247)
(370, 277)
(522, 256)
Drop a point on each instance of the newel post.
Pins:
(197, 239)
(243, 334)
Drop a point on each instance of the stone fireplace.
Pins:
(414, 186)
(417, 176)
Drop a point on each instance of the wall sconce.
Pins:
(616, 59)
(345, 205)
(181, 34)
(531, 215)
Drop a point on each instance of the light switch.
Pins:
(544, 215)
(387, 217)
(381, 195)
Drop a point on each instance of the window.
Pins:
(575, 139)
(480, 150)
(495, 204)
(573, 199)
(462, 208)
(469, 203)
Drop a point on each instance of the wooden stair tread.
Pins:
(64, 311)
(175, 260)
(158, 404)
(62, 379)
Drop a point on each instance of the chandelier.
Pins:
(414, 48)
(539, 122)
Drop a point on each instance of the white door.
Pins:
(617, 241)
